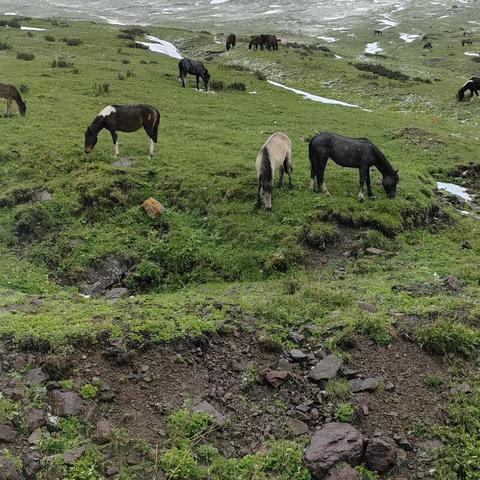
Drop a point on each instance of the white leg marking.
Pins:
(325, 189)
(312, 184)
(361, 196)
(117, 149)
(152, 146)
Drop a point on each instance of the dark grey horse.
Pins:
(350, 152)
(193, 67)
(269, 42)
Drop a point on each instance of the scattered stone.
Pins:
(111, 471)
(374, 251)
(343, 473)
(116, 293)
(380, 454)
(276, 378)
(42, 195)
(452, 283)
(358, 385)
(153, 207)
(35, 437)
(31, 464)
(65, 403)
(20, 361)
(103, 431)
(349, 373)
(71, 456)
(326, 369)
(367, 307)
(205, 407)
(7, 433)
(297, 355)
(405, 444)
(332, 444)
(36, 376)
(8, 470)
(125, 162)
(461, 388)
(389, 386)
(296, 427)
(296, 337)
(35, 419)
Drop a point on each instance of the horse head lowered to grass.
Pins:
(358, 153)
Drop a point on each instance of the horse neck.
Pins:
(18, 99)
(98, 124)
(383, 165)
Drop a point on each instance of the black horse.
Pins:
(193, 67)
(124, 118)
(472, 84)
(428, 46)
(255, 42)
(468, 41)
(378, 33)
(231, 41)
(269, 42)
(350, 152)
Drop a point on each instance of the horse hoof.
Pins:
(372, 197)
(361, 197)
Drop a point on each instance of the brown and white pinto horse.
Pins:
(10, 93)
(124, 118)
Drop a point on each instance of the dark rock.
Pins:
(332, 444)
(452, 283)
(111, 471)
(368, 385)
(374, 251)
(461, 388)
(276, 378)
(380, 454)
(20, 361)
(36, 376)
(343, 473)
(116, 293)
(31, 462)
(349, 372)
(65, 403)
(35, 437)
(35, 419)
(389, 386)
(103, 431)
(297, 355)
(405, 444)
(367, 307)
(205, 407)
(296, 427)
(8, 470)
(71, 456)
(7, 433)
(326, 369)
(296, 337)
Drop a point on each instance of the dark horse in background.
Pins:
(193, 67)
(231, 41)
(269, 42)
(354, 153)
(255, 42)
(10, 93)
(124, 118)
(472, 84)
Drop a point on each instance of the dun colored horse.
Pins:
(124, 118)
(472, 84)
(10, 93)
(193, 67)
(354, 153)
(275, 154)
(231, 41)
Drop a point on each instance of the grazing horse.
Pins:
(231, 41)
(428, 46)
(10, 93)
(378, 33)
(472, 84)
(269, 42)
(255, 42)
(468, 41)
(425, 38)
(124, 118)
(466, 33)
(350, 152)
(193, 67)
(276, 153)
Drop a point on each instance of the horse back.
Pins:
(279, 146)
(8, 91)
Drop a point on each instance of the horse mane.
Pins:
(382, 163)
(97, 123)
(266, 168)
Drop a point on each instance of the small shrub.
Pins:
(366, 473)
(14, 23)
(88, 391)
(337, 388)
(25, 56)
(61, 62)
(260, 75)
(134, 31)
(59, 23)
(72, 42)
(446, 337)
(217, 85)
(236, 86)
(125, 61)
(49, 38)
(378, 328)
(24, 88)
(30, 35)
(179, 464)
(5, 46)
(381, 70)
(9, 409)
(136, 45)
(206, 453)
(432, 381)
(185, 424)
(120, 76)
(66, 384)
(344, 412)
(375, 239)
(126, 36)
(101, 89)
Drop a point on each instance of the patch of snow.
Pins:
(472, 54)
(338, 57)
(162, 46)
(316, 98)
(32, 29)
(408, 37)
(216, 2)
(373, 48)
(456, 190)
(328, 39)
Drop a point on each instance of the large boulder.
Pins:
(326, 369)
(36, 376)
(381, 453)
(7, 433)
(332, 444)
(65, 403)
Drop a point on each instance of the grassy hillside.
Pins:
(212, 261)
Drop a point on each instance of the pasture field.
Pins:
(213, 266)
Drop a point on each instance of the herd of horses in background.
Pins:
(275, 154)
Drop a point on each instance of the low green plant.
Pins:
(25, 56)
(67, 384)
(5, 46)
(185, 424)
(207, 453)
(432, 380)
(180, 464)
(72, 42)
(366, 473)
(9, 409)
(376, 327)
(337, 388)
(88, 391)
(60, 62)
(49, 38)
(344, 412)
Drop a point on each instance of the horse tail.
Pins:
(21, 104)
(156, 126)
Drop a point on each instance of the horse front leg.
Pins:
(198, 81)
(9, 107)
(115, 142)
(321, 176)
(183, 78)
(369, 186)
(363, 176)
